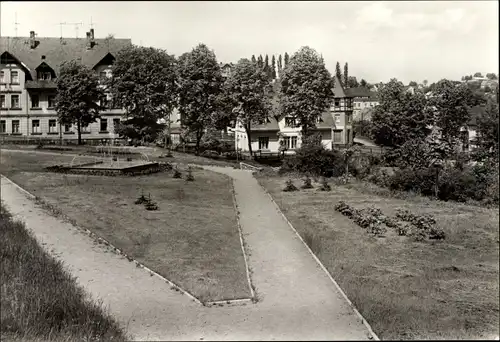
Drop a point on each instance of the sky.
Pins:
(407, 40)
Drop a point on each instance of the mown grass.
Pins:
(40, 300)
(405, 289)
(192, 239)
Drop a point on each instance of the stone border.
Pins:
(56, 213)
(372, 334)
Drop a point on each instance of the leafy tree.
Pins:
(413, 84)
(200, 90)
(363, 83)
(492, 76)
(352, 82)
(280, 63)
(144, 84)
(267, 67)
(273, 68)
(451, 105)
(248, 89)
(287, 59)
(478, 74)
(346, 75)
(78, 92)
(253, 59)
(400, 116)
(338, 72)
(425, 83)
(305, 88)
(487, 129)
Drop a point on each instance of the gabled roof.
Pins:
(326, 122)
(57, 50)
(271, 125)
(360, 92)
(338, 90)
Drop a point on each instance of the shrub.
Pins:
(324, 185)
(366, 218)
(312, 157)
(307, 183)
(289, 186)
(189, 177)
(210, 154)
(425, 225)
(141, 199)
(177, 173)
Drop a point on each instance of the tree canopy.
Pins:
(144, 84)
(200, 90)
(306, 88)
(78, 93)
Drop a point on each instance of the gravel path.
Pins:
(297, 300)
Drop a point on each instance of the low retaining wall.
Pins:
(129, 171)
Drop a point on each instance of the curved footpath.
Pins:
(297, 300)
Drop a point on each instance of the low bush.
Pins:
(324, 185)
(210, 154)
(425, 225)
(177, 173)
(365, 218)
(307, 183)
(289, 186)
(189, 176)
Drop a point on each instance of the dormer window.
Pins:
(290, 122)
(44, 75)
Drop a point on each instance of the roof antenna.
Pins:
(15, 24)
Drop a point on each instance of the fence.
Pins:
(64, 142)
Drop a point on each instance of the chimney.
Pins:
(90, 39)
(92, 33)
(33, 41)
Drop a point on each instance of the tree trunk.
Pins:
(248, 130)
(436, 184)
(79, 128)
(199, 135)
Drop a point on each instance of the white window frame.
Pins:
(3, 126)
(337, 118)
(3, 101)
(53, 129)
(100, 125)
(49, 102)
(17, 125)
(14, 78)
(35, 128)
(339, 134)
(12, 97)
(68, 128)
(38, 102)
(2, 77)
(293, 144)
(263, 143)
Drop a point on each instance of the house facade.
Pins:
(29, 67)
(364, 101)
(334, 125)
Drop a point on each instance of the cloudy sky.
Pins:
(380, 40)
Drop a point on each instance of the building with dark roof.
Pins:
(29, 69)
(334, 125)
(364, 100)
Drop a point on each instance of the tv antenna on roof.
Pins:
(15, 24)
(76, 27)
(91, 23)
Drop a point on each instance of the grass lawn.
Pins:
(39, 299)
(405, 289)
(192, 239)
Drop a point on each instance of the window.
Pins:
(52, 101)
(263, 143)
(337, 118)
(15, 126)
(3, 104)
(67, 128)
(116, 123)
(2, 76)
(348, 118)
(35, 101)
(337, 136)
(287, 142)
(337, 102)
(52, 126)
(294, 142)
(102, 74)
(3, 126)
(348, 136)
(44, 75)
(104, 125)
(14, 77)
(319, 119)
(104, 101)
(35, 126)
(85, 128)
(289, 122)
(14, 101)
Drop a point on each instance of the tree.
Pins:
(200, 90)
(363, 83)
(425, 83)
(267, 67)
(400, 116)
(305, 88)
(143, 82)
(338, 72)
(352, 82)
(280, 63)
(273, 68)
(253, 59)
(248, 91)
(491, 76)
(260, 62)
(78, 92)
(478, 74)
(287, 59)
(487, 128)
(413, 84)
(451, 106)
(346, 75)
